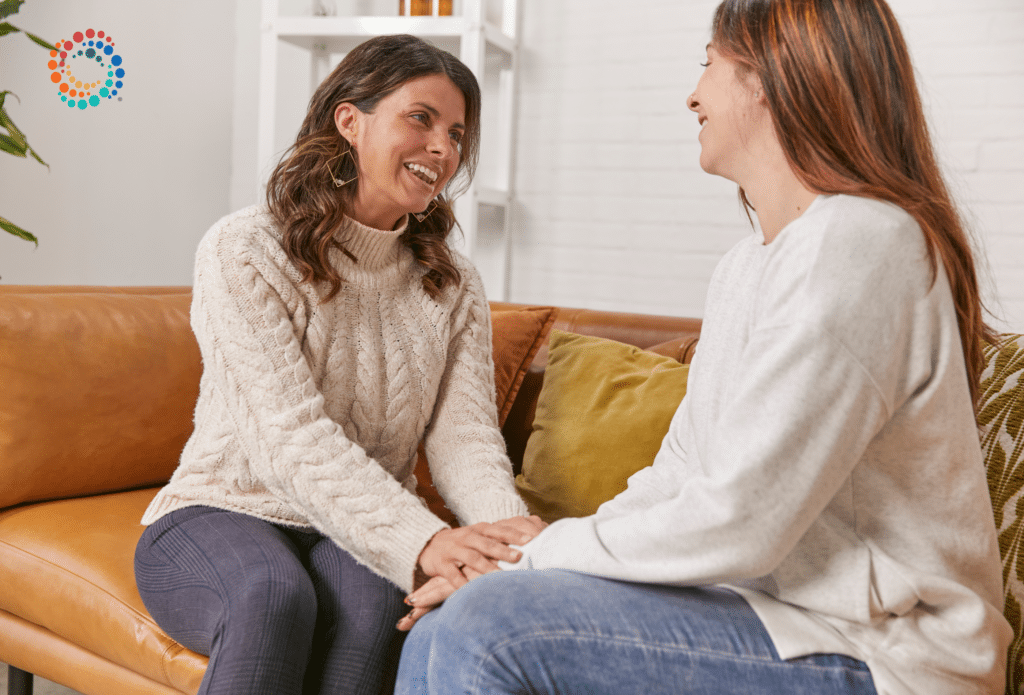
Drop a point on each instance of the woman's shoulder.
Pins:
(859, 228)
(251, 227)
(842, 236)
(846, 260)
(244, 242)
(470, 285)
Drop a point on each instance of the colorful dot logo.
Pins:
(78, 68)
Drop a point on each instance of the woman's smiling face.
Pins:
(724, 100)
(406, 150)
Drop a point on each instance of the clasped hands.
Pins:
(454, 556)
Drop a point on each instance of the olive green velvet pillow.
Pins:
(603, 410)
(1001, 423)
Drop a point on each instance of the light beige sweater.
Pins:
(310, 414)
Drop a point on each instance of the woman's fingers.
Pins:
(481, 540)
(425, 599)
(432, 593)
(479, 563)
(452, 572)
(517, 530)
(428, 597)
(407, 621)
(451, 550)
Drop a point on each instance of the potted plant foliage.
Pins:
(13, 141)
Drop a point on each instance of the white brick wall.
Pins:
(614, 211)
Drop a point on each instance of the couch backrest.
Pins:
(98, 389)
(121, 371)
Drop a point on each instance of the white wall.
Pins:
(615, 212)
(132, 185)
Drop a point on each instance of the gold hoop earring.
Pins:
(338, 183)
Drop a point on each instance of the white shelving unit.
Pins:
(482, 33)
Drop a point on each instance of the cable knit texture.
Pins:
(310, 413)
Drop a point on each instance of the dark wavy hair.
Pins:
(301, 193)
(840, 86)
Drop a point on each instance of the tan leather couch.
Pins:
(97, 388)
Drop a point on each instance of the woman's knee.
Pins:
(278, 587)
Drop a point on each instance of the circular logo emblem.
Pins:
(86, 69)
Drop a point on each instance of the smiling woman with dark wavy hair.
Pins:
(337, 331)
(303, 192)
(817, 519)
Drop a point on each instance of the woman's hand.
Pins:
(456, 554)
(427, 598)
(432, 593)
(516, 530)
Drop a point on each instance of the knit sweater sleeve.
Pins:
(464, 445)
(253, 356)
(779, 460)
(816, 387)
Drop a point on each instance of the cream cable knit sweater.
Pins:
(310, 414)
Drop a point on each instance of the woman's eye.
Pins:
(421, 117)
(704, 65)
(456, 136)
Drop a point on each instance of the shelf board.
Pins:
(305, 31)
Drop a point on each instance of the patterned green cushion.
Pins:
(1001, 423)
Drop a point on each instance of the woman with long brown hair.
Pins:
(817, 519)
(337, 330)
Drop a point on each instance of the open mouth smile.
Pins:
(428, 176)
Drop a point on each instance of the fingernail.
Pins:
(409, 600)
(516, 556)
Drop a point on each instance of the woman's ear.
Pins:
(346, 119)
(758, 89)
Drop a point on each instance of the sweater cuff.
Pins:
(418, 525)
(492, 507)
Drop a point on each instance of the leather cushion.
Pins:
(98, 391)
(68, 566)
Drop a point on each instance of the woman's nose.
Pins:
(440, 143)
(691, 102)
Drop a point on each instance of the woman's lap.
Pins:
(264, 602)
(560, 632)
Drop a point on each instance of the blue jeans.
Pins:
(553, 631)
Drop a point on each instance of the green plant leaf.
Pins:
(16, 139)
(9, 7)
(8, 28)
(17, 231)
(36, 157)
(9, 144)
(42, 42)
(16, 134)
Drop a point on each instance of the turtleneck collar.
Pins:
(374, 249)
